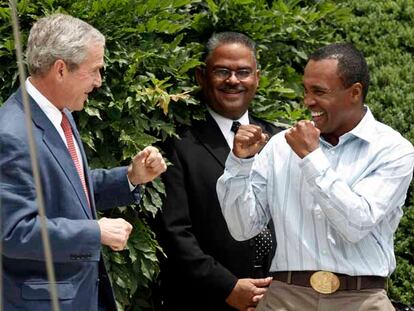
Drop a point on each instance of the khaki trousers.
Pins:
(286, 297)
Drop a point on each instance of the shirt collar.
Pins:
(50, 110)
(365, 129)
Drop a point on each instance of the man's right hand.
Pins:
(247, 293)
(114, 232)
(248, 141)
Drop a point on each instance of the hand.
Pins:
(247, 293)
(248, 141)
(303, 138)
(146, 166)
(114, 232)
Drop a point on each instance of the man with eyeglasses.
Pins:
(206, 268)
(334, 188)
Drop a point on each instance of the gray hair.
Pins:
(229, 37)
(59, 36)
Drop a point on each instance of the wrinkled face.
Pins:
(230, 79)
(335, 109)
(78, 83)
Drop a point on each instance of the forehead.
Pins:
(94, 56)
(322, 73)
(231, 55)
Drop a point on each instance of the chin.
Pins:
(77, 107)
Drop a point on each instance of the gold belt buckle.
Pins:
(324, 282)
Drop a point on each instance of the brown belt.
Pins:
(346, 282)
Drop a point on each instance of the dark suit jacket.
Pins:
(204, 261)
(74, 233)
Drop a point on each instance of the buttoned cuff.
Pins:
(237, 166)
(135, 191)
(131, 186)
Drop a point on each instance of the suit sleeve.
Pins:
(181, 245)
(111, 188)
(21, 233)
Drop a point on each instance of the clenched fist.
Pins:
(114, 232)
(303, 138)
(146, 166)
(248, 141)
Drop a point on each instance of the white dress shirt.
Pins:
(225, 124)
(336, 209)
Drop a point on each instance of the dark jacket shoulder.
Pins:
(267, 126)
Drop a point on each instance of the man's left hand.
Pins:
(303, 138)
(146, 166)
(247, 293)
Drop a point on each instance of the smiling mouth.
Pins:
(317, 113)
(232, 90)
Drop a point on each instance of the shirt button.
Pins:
(324, 252)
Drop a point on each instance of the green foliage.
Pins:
(383, 30)
(153, 47)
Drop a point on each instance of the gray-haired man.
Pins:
(64, 57)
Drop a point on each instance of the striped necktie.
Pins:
(67, 130)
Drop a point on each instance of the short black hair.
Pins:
(229, 37)
(352, 66)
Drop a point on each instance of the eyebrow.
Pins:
(317, 88)
(238, 68)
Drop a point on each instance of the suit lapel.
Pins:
(58, 149)
(210, 135)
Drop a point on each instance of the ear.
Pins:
(59, 70)
(200, 75)
(257, 77)
(356, 93)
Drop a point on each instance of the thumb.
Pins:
(141, 156)
(264, 139)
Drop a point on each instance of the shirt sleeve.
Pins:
(354, 210)
(242, 193)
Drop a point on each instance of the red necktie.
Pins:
(67, 129)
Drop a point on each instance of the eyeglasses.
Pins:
(225, 73)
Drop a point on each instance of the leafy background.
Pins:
(152, 50)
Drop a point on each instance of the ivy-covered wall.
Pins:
(153, 47)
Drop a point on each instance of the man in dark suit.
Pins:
(206, 268)
(64, 56)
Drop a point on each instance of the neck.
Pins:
(333, 138)
(46, 86)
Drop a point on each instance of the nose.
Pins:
(233, 78)
(98, 80)
(308, 100)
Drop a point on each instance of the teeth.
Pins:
(316, 113)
